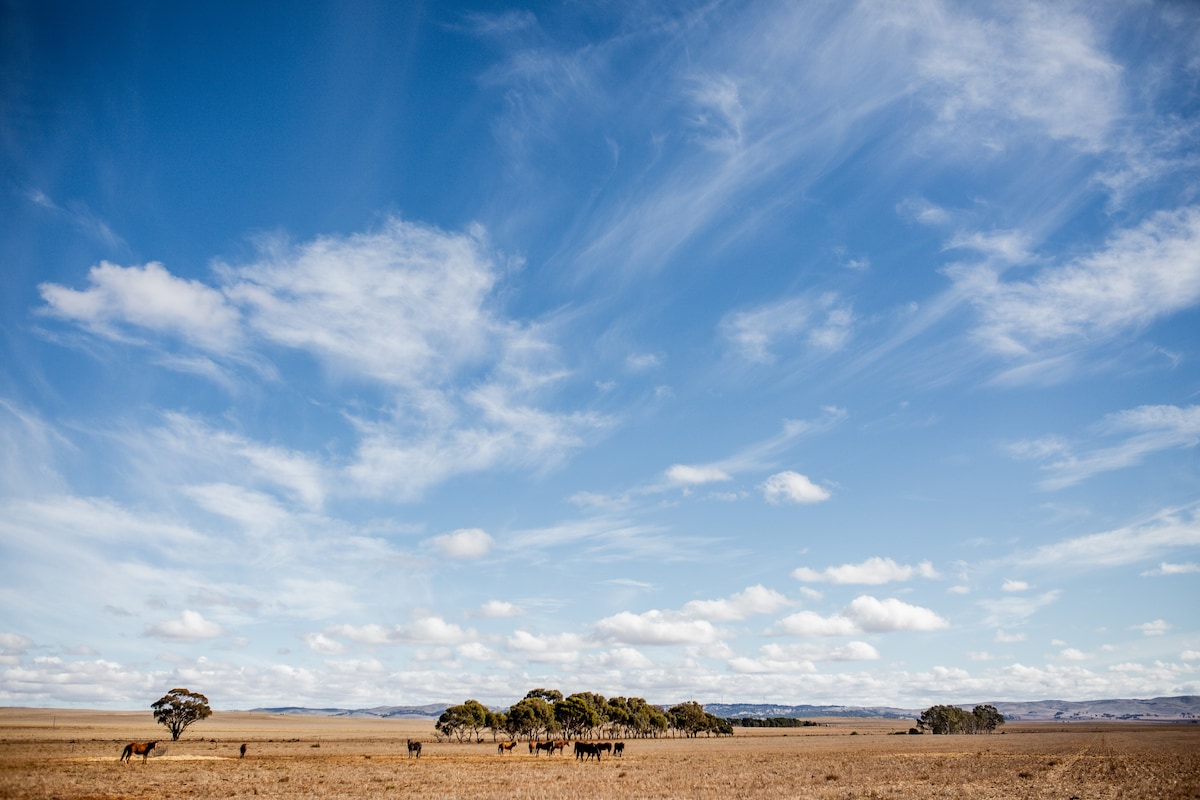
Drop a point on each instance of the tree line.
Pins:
(773, 722)
(545, 713)
(953, 719)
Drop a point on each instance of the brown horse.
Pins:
(242, 751)
(414, 747)
(537, 747)
(137, 749)
(505, 747)
(559, 744)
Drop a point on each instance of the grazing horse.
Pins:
(414, 747)
(242, 751)
(505, 747)
(559, 744)
(537, 747)
(586, 750)
(137, 749)
(619, 749)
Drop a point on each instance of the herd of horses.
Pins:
(584, 751)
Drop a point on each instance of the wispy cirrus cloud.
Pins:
(1136, 433)
(1044, 67)
(1165, 568)
(406, 308)
(1167, 530)
(1140, 275)
(818, 324)
(1015, 609)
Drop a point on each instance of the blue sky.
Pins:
(387, 353)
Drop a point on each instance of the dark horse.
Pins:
(414, 748)
(587, 750)
(242, 751)
(137, 749)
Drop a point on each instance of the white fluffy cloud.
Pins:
(425, 630)
(754, 600)
(465, 543)
(879, 616)
(496, 609)
(563, 648)
(1154, 628)
(872, 572)
(655, 627)
(865, 614)
(148, 298)
(792, 487)
(688, 475)
(190, 626)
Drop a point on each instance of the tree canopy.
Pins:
(178, 709)
(954, 719)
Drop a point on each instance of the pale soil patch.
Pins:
(73, 756)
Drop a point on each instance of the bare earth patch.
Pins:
(72, 755)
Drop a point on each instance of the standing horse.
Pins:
(137, 749)
(587, 750)
(505, 747)
(619, 749)
(414, 747)
(538, 747)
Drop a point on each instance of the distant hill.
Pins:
(1156, 709)
(431, 711)
(1186, 707)
(765, 710)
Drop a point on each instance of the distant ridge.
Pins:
(1163, 709)
(431, 711)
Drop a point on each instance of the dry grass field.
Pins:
(47, 753)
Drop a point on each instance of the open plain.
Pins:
(73, 755)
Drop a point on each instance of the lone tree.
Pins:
(178, 709)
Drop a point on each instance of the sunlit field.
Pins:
(74, 755)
